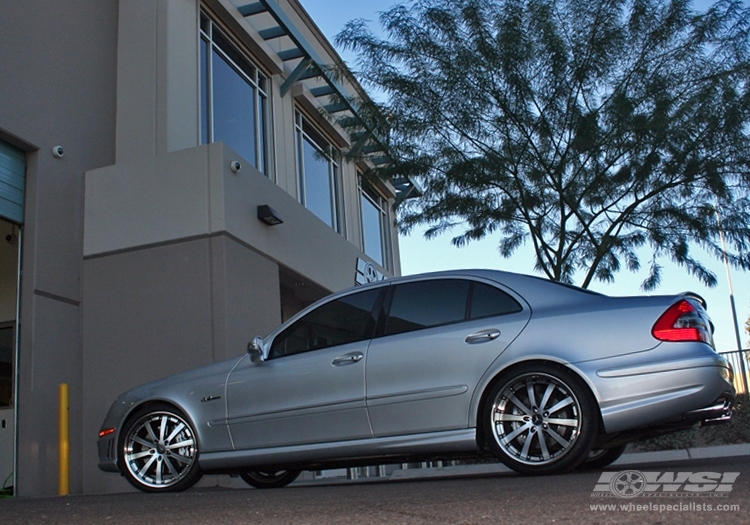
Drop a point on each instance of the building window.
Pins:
(374, 216)
(318, 172)
(234, 101)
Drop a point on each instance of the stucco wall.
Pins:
(58, 88)
(164, 309)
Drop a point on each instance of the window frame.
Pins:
(333, 156)
(259, 80)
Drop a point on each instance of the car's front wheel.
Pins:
(159, 450)
(269, 480)
(540, 419)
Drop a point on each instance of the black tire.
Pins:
(539, 399)
(601, 457)
(269, 480)
(159, 450)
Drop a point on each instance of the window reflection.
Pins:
(342, 321)
(233, 98)
(234, 109)
(318, 173)
(424, 304)
(374, 226)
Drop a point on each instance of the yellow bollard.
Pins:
(64, 441)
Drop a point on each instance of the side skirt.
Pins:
(416, 445)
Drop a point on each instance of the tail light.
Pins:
(683, 321)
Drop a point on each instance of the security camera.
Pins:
(58, 152)
(235, 166)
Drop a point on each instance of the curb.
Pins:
(485, 469)
(722, 451)
(634, 458)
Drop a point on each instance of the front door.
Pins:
(311, 389)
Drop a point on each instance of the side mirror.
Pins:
(255, 349)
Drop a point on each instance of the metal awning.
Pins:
(325, 87)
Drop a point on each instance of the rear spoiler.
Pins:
(697, 297)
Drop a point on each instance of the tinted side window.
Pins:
(345, 320)
(424, 304)
(488, 301)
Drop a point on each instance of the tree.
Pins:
(597, 130)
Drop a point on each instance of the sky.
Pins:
(419, 255)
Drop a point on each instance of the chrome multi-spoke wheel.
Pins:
(269, 479)
(159, 451)
(539, 419)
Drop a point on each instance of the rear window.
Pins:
(425, 304)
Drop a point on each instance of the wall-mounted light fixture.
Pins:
(269, 215)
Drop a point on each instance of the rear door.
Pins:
(439, 337)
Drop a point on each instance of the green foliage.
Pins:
(590, 128)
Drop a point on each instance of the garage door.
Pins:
(12, 170)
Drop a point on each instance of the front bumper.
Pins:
(107, 455)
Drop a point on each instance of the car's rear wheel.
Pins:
(540, 419)
(159, 450)
(601, 457)
(269, 480)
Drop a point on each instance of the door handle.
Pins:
(348, 359)
(483, 336)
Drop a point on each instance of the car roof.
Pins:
(533, 289)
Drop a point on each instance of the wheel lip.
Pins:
(126, 450)
(513, 453)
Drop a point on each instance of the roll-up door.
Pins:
(12, 170)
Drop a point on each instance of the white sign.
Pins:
(367, 273)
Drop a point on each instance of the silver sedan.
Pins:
(542, 376)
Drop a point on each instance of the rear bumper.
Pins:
(693, 387)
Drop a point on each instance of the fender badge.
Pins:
(210, 398)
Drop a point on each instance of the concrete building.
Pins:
(176, 177)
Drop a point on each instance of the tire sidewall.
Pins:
(580, 449)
